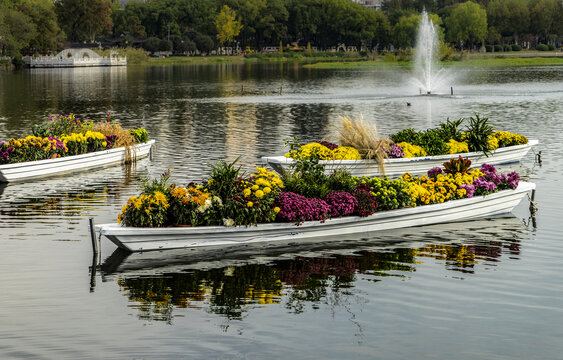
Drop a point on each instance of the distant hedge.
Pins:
(516, 47)
(542, 47)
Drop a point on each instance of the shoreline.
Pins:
(532, 58)
(355, 60)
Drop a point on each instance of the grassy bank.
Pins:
(477, 60)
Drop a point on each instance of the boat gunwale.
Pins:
(64, 159)
(281, 159)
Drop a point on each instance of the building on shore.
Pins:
(74, 58)
(372, 4)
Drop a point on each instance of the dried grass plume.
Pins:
(365, 138)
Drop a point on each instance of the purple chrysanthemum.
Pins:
(297, 208)
(341, 203)
(395, 152)
(432, 173)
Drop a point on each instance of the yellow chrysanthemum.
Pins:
(457, 147)
(412, 150)
(346, 153)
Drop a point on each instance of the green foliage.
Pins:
(551, 47)
(508, 18)
(498, 48)
(542, 47)
(152, 44)
(516, 47)
(477, 134)
(307, 176)
(507, 48)
(467, 23)
(17, 31)
(141, 135)
(431, 140)
(162, 184)
(451, 129)
(84, 20)
(390, 194)
(223, 179)
(409, 135)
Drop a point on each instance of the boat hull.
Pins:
(145, 239)
(414, 166)
(31, 170)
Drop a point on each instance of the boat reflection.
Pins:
(232, 281)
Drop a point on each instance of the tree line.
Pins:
(184, 26)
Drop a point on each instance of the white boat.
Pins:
(144, 239)
(503, 228)
(414, 166)
(30, 170)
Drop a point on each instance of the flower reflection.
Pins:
(233, 291)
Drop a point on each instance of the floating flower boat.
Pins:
(136, 239)
(30, 170)
(414, 165)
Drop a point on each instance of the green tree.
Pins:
(42, 15)
(125, 23)
(272, 23)
(511, 18)
(406, 30)
(152, 44)
(545, 18)
(16, 30)
(228, 27)
(467, 24)
(83, 20)
(204, 43)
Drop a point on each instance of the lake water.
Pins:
(488, 289)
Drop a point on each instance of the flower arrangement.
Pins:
(145, 210)
(231, 198)
(363, 142)
(67, 135)
(439, 188)
(508, 139)
(341, 203)
(491, 181)
(62, 125)
(188, 206)
(411, 150)
(322, 152)
(297, 208)
(389, 194)
(367, 202)
(456, 147)
(31, 148)
(80, 143)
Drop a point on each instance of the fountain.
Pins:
(428, 76)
